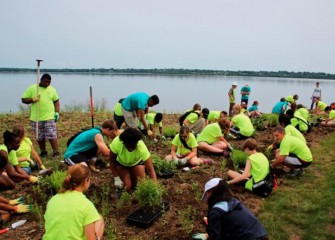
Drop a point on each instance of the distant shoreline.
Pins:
(176, 72)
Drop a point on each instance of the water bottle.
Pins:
(259, 184)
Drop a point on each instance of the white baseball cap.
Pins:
(211, 184)
(234, 84)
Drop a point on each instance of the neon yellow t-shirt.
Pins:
(150, 117)
(210, 133)
(46, 103)
(298, 119)
(294, 145)
(303, 112)
(322, 105)
(191, 142)
(259, 169)
(192, 117)
(214, 116)
(292, 131)
(126, 158)
(66, 216)
(12, 159)
(243, 122)
(332, 114)
(24, 151)
(118, 109)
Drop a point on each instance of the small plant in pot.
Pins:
(164, 168)
(149, 195)
(54, 181)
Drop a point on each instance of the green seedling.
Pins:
(238, 157)
(56, 179)
(163, 166)
(170, 132)
(149, 193)
(187, 219)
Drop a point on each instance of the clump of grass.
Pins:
(124, 199)
(186, 219)
(272, 119)
(149, 193)
(258, 123)
(238, 157)
(56, 179)
(170, 132)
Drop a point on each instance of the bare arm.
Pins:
(173, 151)
(27, 100)
(150, 169)
(35, 156)
(57, 105)
(90, 231)
(278, 161)
(140, 115)
(101, 144)
(112, 163)
(245, 175)
(13, 174)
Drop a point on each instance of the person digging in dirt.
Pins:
(196, 120)
(69, 214)
(211, 139)
(89, 144)
(292, 153)
(227, 217)
(154, 121)
(10, 206)
(319, 106)
(134, 108)
(130, 159)
(26, 150)
(256, 167)
(184, 149)
(241, 124)
(14, 173)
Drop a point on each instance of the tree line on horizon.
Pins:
(173, 71)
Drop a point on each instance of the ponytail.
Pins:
(76, 175)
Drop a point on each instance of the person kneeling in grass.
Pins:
(256, 167)
(293, 153)
(9, 206)
(130, 159)
(69, 214)
(184, 149)
(26, 150)
(330, 121)
(14, 173)
(211, 139)
(241, 124)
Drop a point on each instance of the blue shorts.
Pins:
(46, 129)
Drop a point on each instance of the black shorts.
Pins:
(82, 157)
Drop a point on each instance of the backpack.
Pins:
(265, 187)
(70, 140)
(184, 116)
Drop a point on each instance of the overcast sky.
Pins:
(270, 35)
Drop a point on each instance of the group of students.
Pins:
(130, 160)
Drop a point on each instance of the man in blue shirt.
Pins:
(245, 92)
(135, 106)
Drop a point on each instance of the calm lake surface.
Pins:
(176, 93)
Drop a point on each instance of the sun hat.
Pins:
(210, 184)
(234, 84)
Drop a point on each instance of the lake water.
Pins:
(176, 93)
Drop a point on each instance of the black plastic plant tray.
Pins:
(167, 174)
(144, 218)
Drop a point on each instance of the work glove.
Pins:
(163, 137)
(269, 148)
(175, 161)
(16, 201)
(23, 208)
(117, 182)
(150, 133)
(155, 140)
(31, 162)
(33, 179)
(183, 161)
(42, 167)
(56, 116)
(200, 236)
(36, 98)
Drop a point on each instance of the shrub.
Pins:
(272, 119)
(163, 166)
(170, 132)
(149, 193)
(56, 179)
